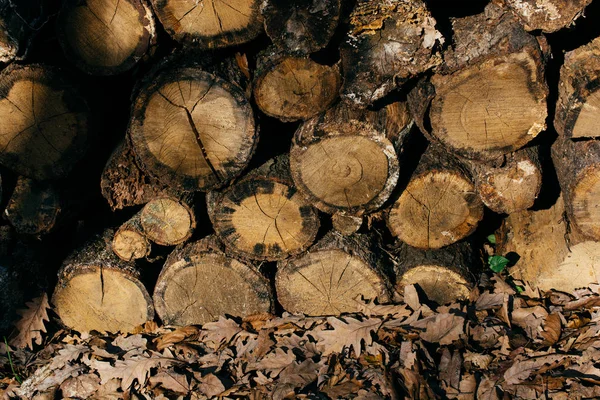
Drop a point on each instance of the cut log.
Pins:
(20, 20)
(550, 256)
(98, 291)
(167, 221)
(345, 160)
(34, 207)
(333, 277)
(45, 125)
(199, 282)
(210, 24)
(490, 95)
(294, 88)
(578, 93)
(445, 275)
(510, 184)
(192, 129)
(105, 37)
(346, 224)
(390, 41)
(547, 15)
(302, 26)
(439, 206)
(130, 243)
(577, 166)
(124, 184)
(262, 216)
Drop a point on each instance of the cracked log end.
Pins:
(345, 160)
(45, 126)
(130, 243)
(199, 282)
(166, 221)
(192, 130)
(438, 208)
(490, 109)
(105, 37)
(263, 218)
(296, 88)
(210, 23)
(328, 280)
(98, 291)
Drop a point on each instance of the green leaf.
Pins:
(492, 239)
(520, 289)
(497, 263)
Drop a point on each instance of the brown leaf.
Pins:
(82, 386)
(487, 301)
(31, 324)
(68, 353)
(215, 334)
(449, 368)
(276, 360)
(523, 369)
(130, 342)
(530, 319)
(171, 381)
(441, 328)
(343, 390)
(347, 334)
(552, 329)
(411, 297)
(178, 335)
(211, 386)
(109, 391)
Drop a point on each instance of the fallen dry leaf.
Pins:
(172, 381)
(441, 328)
(31, 325)
(523, 369)
(211, 385)
(346, 334)
(82, 386)
(178, 335)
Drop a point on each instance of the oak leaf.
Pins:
(523, 369)
(222, 331)
(441, 328)
(81, 387)
(211, 386)
(69, 353)
(31, 325)
(346, 334)
(172, 381)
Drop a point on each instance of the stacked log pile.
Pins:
(200, 158)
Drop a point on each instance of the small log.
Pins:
(445, 275)
(34, 207)
(45, 127)
(167, 221)
(345, 160)
(302, 26)
(511, 183)
(332, 277)
(294, 88)
(210, 24)
(129, 242)
(190, 128)
(439, 206)
(577, 166)
(490, 95)
(389, 42)
(98, 291)
(547, 15)
(199, 282)
(20, 20)
(578, 95)
(262, 216)
(346, 224)
(549, 255)
(106, 37)
(123, 184)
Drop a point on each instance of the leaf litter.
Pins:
(503, 343)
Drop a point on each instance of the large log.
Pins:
(546, 15)
(439, 206)
(106, 37)
(345, 160)
(45, 123)
(334, 276)
(200, 281)
(578, 95)
(548, 254)
(191, 128)
(490, 94)
(445, 275)
(210, 24)
(262, 216)
(98, 291)
(389, 42)
(577, 165)
(301, 26)
(294, 88)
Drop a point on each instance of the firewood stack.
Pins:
(200, 158)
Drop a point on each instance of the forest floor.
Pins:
(507, 341)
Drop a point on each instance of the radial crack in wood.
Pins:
(167, 222)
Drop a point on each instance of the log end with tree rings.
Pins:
(210, 23)
(438, 207)
(264, 219)
(296, 88)
(192, 130)
(105, 37)
(46, 124)
(199, 282)
(167, 222)
(490, 109)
